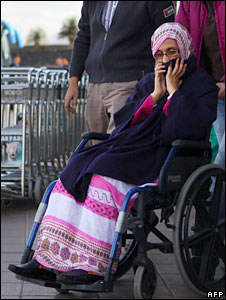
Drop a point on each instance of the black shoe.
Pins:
(32, 270)
(77, 276)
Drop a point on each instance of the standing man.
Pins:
(205, 20)
(113, 47)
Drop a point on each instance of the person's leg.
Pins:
(78, 236)
(220, 158)
(74, 235)
(96, 117)
(214, 143)
(219, 126)
(115, 96)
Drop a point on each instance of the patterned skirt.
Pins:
(75, 235)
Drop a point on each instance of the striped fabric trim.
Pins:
(173, 31)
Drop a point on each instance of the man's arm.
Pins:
(160, 12)
(81, 43)
(183, 15)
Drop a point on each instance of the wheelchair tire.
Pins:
(126, 260)
(63, 292)
(202, 238)
(144, 283)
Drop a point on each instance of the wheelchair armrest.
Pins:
(187, 144)
(177, 168)
(95, 135)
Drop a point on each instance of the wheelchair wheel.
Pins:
(60, 291)
(144, 283)
(197, 243)
(127, 257)
(130, 250)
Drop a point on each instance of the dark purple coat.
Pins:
(136, 154)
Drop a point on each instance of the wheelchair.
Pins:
(189, 190)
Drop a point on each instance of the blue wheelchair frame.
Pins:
(28, 253)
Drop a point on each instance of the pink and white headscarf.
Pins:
(176, 32)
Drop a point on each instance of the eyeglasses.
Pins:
(171, 52)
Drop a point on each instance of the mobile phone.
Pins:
(173, 62)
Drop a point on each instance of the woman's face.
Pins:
(167, 51)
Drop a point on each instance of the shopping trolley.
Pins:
(37, 137)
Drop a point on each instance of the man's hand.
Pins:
(173, 77)
(72, 94)
(221, 93)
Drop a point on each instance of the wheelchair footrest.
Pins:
(97, 286)
(40, 282)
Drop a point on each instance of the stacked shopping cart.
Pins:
(37, 136)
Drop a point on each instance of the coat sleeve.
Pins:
(191, 111)
(183, 15)
(160, 12)
(81, 43)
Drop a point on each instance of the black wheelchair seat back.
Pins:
(181, 167)
(184, 157)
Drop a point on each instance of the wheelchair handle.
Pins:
(95, 135)
(187, 144)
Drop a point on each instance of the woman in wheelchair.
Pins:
(177, 101)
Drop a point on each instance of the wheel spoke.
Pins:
(206, 258)
(203, 214)
(196, 238)
(220, 247)
(220, 223)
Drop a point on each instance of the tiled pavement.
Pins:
(17, 220)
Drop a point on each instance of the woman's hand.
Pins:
(221, 93)
(160, 86)
(173, 77)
